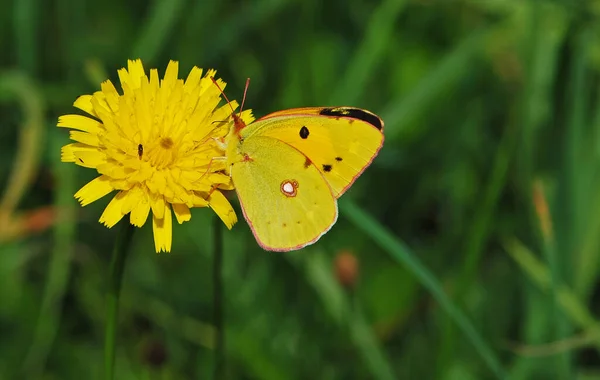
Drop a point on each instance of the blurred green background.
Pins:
(468, 250)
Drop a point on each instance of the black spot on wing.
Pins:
(338, 159)
(327, 168)
(304, 132)
(354, 113)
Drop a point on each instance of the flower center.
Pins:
(162, 154)
(166, 143)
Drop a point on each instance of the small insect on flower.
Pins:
(158, 144)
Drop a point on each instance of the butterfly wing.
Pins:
(287, 203)
(340, 141)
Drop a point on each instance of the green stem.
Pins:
(117, 265)
(218, 299)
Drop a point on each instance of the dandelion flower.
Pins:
(159, 144)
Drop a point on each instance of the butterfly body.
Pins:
(289, 168)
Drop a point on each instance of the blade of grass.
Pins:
(370, 52)
(577, 170)
(587, 268)
(478, 233)
(25, 30)
(541, 49)
(218, 302)
(59, 268)
(402, 254)
(568, 204)
(117, 266)
(567, 300)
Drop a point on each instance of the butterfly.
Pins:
(290, 167)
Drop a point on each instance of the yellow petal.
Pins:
(136, 72)
(163, 231)
(114, 171)
(82, 123)
(154, 80)
(94, 190)
(131, 200)
(182, 212)
(113, 212)
(84, 103)
(111, 94)
(157, 203)
(193, 79)
(89, 158)
(67, 152)
(85, 138)
(227, 186)
(247, 116)
(222, 208)
(170, 74)
(140, 212)
(197, 200)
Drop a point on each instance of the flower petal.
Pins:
(163, 230)
(170, 74)
(113, 212)
(67, 152)
(222, 208)
(111, 94)
(132, 198)
(94, 190)
(182, 213)
(193, 79)
(136, 72)
(82, 123)
(157, 202)
(84, 103)
(89, 158)
(140, 212)
(85, 138)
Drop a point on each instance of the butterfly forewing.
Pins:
(338, 145)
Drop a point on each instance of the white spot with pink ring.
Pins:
(289, 188)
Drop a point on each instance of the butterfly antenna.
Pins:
(237, 119)
(244, 98)
(223, 93)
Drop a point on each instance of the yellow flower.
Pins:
(160, 144)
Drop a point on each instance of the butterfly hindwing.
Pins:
(287, 203)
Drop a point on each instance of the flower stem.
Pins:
(117, 265)
(218, 299)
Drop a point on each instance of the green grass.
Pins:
(491, 111)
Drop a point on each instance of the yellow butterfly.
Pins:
(289, 168)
